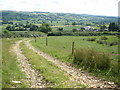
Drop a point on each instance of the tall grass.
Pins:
(89, 58)
(114, 67)
(97, 62)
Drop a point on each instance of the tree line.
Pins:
(45, 28)
(114, 27)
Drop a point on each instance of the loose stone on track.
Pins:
(34, 79)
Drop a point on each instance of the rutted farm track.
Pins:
(73, 73)
(34, 80)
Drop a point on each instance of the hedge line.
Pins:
(81, 33)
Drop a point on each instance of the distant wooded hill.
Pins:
(52, 18)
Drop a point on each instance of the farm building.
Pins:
(87, 28)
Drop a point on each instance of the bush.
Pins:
(9, 34)
(91, 59)
(101, 42)
(118, 36)
(60, 29)
(104, 38)
(112, 43)
(69, 33)
(55, 34)
(91, 39)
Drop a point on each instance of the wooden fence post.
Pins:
(46, 42)
(72, 47)
(35, 39)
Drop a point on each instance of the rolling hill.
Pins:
(56, 18)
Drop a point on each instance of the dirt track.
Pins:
(35, 80)
(75, 74)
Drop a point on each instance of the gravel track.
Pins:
(34, 79)
(73, 73)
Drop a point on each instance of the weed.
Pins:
(91, 39)
(112, 43)
(114, 67)
(101, 42)
(91, 59)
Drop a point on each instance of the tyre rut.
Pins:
(34, 79)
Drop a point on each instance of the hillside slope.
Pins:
(63, 18)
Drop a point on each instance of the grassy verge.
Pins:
(49, 71)
(60, 47)
(98, 63)
(10, 70)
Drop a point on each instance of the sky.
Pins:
(94, 7)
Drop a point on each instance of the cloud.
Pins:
(100, 7)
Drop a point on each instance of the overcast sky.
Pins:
(94, 7)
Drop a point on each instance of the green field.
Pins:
(66, 28)
(61, 48)
(71, 27)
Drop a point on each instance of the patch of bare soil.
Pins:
(75, 74)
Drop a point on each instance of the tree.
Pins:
(74, 30)
(7, 33)
(34, 28)
(60, 29)
(45, 28)
(103, 27)
(74, 23)
(10, 28)
(28, 25)
(20, 28)
(113, 27)
(67, 24)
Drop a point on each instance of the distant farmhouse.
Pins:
(87, 28)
